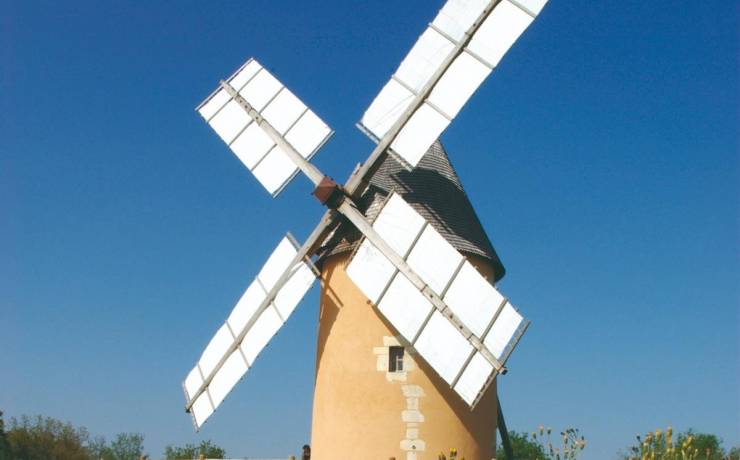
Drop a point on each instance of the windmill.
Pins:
(431, 293)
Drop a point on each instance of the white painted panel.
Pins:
(473, 299)
(399, 224)
(503, 331)
(261, 90)
(459, 83)
(370, 270)
(245, 74)
(215, 350)
(424, 127)
(277, 263)
(215, 103)
(405, 307)
(274, 170)
(233, 369)
(246, 307)
(434, 259)
(308, 134)
(443, 347)
(294, 289)
(192, 382)
(457, 16)
(534, 6)
(387, 107)
(424, 59)
(499, 31)
(473, 378)
(229, 121)
(261, 333)
(283, 111)
(252, 145)
(201, 409)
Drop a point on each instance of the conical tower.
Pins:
(373, 398)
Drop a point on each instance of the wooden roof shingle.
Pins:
(434, 190)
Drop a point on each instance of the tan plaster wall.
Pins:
(357, 411)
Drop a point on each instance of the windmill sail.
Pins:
(449, 61)
(255, 115)
(488, 319)
(255, 319)
(436, 299)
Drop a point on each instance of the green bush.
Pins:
(539, 445)
(689, 445)
(191, 451)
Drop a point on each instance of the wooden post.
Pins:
(505, 441)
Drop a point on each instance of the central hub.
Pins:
(329, 193)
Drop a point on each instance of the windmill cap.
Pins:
(434, 190)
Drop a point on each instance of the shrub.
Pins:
(689, 445)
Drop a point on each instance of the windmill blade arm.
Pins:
(260, 313)
(436, 299)
(267, 127)
(450, 60)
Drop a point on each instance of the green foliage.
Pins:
(523, 447)
(540, 445)
(4, 447)
(688, 445)
(191, 451)
(708, 446)
(45, 438)
(127, 446)
(98, 449)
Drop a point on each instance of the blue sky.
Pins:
(601, 156)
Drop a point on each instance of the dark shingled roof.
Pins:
(434, 191)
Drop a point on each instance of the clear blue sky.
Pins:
(601, 156)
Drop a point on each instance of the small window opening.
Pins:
(395, 359)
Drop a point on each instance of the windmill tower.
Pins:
(412, 331)
(406, 410)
